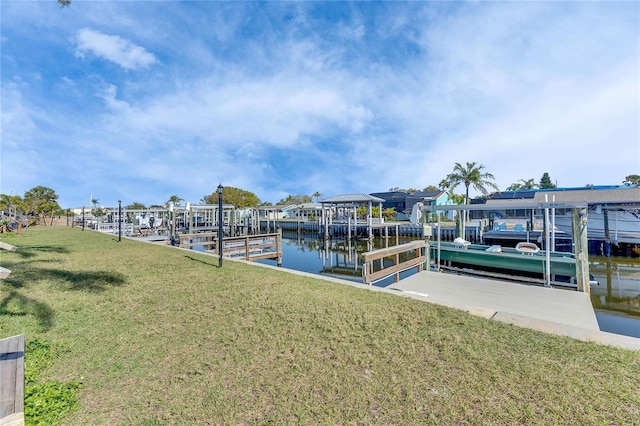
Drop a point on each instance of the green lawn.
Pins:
(156, 335)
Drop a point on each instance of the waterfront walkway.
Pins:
(555, 311)
(486, 297)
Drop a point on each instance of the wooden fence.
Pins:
(416, 253)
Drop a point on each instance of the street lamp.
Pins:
(220, 229)
(83, 218)
(172, 229)
(119, 220)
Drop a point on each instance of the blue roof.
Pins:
(593, 187)
(514, 195)
(530, 193)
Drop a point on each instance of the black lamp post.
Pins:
(83, 218)
(220, 228)
(119, 220)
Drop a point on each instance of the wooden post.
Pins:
(279, 246)
(397, 235)
(580, 242)
(397, 262)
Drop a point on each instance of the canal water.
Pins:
(616, 300)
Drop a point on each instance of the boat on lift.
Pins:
(525, 261)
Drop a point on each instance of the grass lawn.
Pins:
(156, 335)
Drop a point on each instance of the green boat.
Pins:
(526, 260)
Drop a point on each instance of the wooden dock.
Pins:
(249, 247)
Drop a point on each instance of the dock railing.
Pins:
(208, 240)
(416, 251)
(249, 247)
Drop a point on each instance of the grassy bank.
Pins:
(156, 335)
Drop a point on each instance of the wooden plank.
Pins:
(198, 243)
(15, 419)
(12, 373)
(200, 235)
(4, 273)
(271, 255)
(251, 246)
(417, 261)
(8, 247)
(389, 251)
(411, 263)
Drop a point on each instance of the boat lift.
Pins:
(578, 226)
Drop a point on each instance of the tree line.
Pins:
(41, 201)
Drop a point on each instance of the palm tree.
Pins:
(12, 203)
(317, 195)
(95, 202)
(469, 175)
(175, 200)
(525, 185)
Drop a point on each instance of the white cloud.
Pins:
(113, 48)
(109, 96)
(282, 98)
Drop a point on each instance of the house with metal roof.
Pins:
(613, 211)
(403, 202)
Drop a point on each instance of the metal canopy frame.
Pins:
(508, 206)
(579, 225)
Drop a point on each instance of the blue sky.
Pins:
(142, 100)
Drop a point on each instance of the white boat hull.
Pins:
(624, 225)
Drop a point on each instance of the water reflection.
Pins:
(616, 300)
(619, 280)
(340, 258)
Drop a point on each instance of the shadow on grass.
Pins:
(15, 304)
(214, 261)
(31, 251)
(97, 281)
(88, 281)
